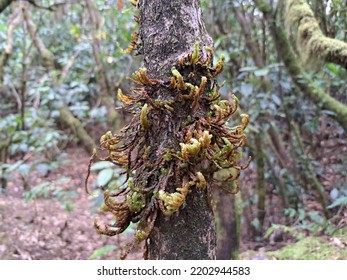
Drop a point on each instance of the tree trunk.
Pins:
(77, 128)
(228, 221)
(177, 139)
(168, 30)
(46, 55)
(105, 93)
(259, 159)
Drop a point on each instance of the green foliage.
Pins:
(108, 174)
(338, 202)
(55, 190)
(102, 251)
(104, 177)
(292, 231)
(312, 248)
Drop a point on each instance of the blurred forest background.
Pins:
(61, 63)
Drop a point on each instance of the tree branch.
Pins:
(295, 70)
(46, 54)
(311, 43)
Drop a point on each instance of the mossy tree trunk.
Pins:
(77, 128)
(312, 44)
(168, 30)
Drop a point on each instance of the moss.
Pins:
(316, 94)
(313, 46)
(309, 248)
(77, 128)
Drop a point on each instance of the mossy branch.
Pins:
(67, 118)
(313, 46)
(47, 55)
(316, 94)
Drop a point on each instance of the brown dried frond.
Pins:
(125, 99)
(88, 171)
(114, 206)
(199, 92)
(133, 44)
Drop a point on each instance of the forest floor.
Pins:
(45, 229)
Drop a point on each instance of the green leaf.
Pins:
(334, 193)
(43, 168)
(302, 214)
(246, 89)
(102, 251)
(101, 165)
(24, 169)
(69, 206)
(276, 100)
(269, 231)
(338, 202)
(131, 228)
(333, 68)
(316, 217)
(261, 72)
(104, 177)
(248, 69)
(256, 224)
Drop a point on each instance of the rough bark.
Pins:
(313, 46)
(177, 139)
(168, 30)
(316, 94)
